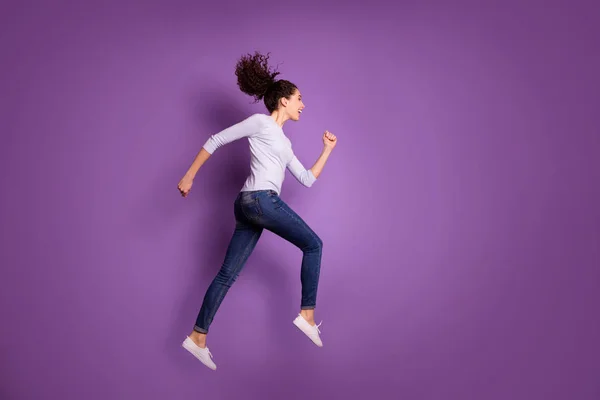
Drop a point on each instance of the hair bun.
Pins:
(254, 76)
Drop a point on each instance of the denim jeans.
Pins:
(255, 211)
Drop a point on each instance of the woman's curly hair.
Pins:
(254, 77)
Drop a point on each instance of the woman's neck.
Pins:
(279, 118)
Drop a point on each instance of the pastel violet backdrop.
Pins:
(459, 211)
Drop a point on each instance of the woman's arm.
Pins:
(185, 184)
(308, 176)
(200, 159)
(317, 168)
(304, 176)
(247, 127)
(329, 142)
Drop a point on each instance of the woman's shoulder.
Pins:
(261, 122)
(259, 116)
(256, 119)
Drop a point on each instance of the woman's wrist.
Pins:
(190, 174)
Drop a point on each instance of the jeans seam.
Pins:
(310, 231)
(314, 236)
(222, 292)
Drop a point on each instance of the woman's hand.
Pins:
(329, 140)
(185, 185)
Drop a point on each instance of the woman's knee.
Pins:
(314, 244)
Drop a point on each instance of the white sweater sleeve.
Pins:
(245, 128)
(304, 176)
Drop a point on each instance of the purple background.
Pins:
(460, 210)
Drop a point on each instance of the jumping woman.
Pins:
(258, 205)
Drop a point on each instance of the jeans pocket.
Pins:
(275, 200)
(251, 207)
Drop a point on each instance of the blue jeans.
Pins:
(255, 211)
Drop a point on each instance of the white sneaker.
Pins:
(309, 330)
(202, 354)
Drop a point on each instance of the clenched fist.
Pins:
(329, 140)
(185, 185)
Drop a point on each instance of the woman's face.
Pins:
(294, 105)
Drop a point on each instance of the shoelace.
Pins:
(317, 327)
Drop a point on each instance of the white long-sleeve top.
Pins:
(271, 153)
